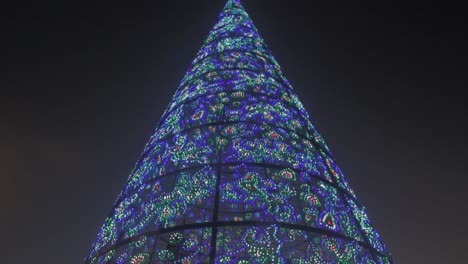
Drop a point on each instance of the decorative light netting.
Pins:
(236, 173)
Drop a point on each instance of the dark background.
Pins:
(85, 83)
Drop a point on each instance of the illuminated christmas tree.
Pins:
(236, 173)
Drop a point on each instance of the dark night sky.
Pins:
(85, 83)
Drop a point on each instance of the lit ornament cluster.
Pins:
(235, 171)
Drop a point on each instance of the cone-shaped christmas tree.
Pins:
(236, 173)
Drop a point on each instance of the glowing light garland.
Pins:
(236, 172)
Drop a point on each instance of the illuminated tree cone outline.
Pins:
(236, 173)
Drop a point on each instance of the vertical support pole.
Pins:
(214, 226)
